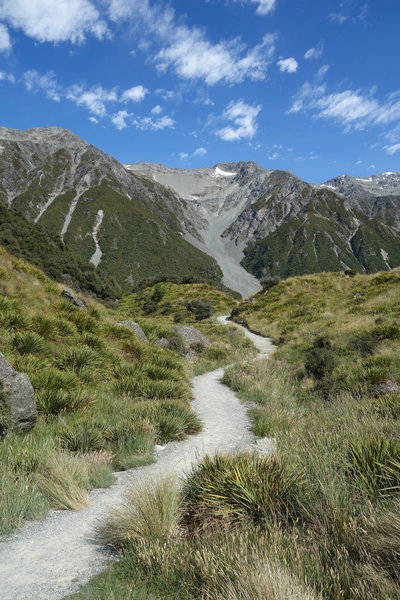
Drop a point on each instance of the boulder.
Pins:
(387, 387)
(162, 343)
(191, 335)
(136, 328)
(19, 395)
(74, 299)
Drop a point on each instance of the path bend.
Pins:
(50, 559)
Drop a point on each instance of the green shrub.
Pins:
(179, 317)
(78, 357)
(56, 401)
(176, 343)
(201, 308)
(28, 343)
(387, 405)
(241, 487)
(269, 281)
(85, 437)
(373, 466)
(45, 326)
(366, 342)
(320, 358)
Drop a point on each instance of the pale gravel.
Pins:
(50, 559)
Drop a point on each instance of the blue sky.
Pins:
(310, 86)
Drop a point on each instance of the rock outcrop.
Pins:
(136, 328)
(191, 335)
(73, 299)
(19, 395)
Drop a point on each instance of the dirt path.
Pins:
(48, 560)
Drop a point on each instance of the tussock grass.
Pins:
(64, 481)
(149, 512)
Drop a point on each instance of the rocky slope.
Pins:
(273, 222)
(126, 225)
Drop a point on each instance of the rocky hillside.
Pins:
(272, 222)
(127, 226)
(234, 221)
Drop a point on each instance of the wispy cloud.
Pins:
(244, 119)
(120, 118)
(288, 65)
(50, 21)
(315, 52)
(392, 149)
(353, 109)
(264, 7)
(200, 152)
(187, 50)
(47, 83)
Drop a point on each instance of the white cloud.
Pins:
(244, 119)
(156, 110)
(183, 155)
(290, 65)
(134, 94)
(47, 83)
(7, 77)
(188, 51)
(95, 99)
(200, 152)
(338, 18)
(351, 108)
(315, 52)
(149, 124)
(94, 120)
(119, 119)
(392, 149)
(359, 162)
(273, 156)
(5, 41)
(54, 21)
(265, 7)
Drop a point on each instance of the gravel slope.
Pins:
(48, 560)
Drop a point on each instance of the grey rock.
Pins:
(191, 335)
(136, 328)
(19, 395)
(74, 299)
(162, 343)
(264, 446)
(387, 387)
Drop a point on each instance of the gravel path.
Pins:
(49, 559)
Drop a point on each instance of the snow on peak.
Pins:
(220, 173)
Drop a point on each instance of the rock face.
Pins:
(74, 299)
(387, 387)
(19, 395)
(136, 328)
(191, 335)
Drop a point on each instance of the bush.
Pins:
(241, 487)
(179, 317)
(373, 466)
(84, 438)
(269, 281)
(28, 343)
(387, 405)
(201, 308)
(320, 359)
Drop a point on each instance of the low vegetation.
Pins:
(318, 520)
(104, 397)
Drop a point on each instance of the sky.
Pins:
(309, 86)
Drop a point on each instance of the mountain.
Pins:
(234, 221)
(272, 222)
(124, 224)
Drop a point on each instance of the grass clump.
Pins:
(149, 512)
(64, 481)
(242, 487)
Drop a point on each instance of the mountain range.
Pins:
(233, 222)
